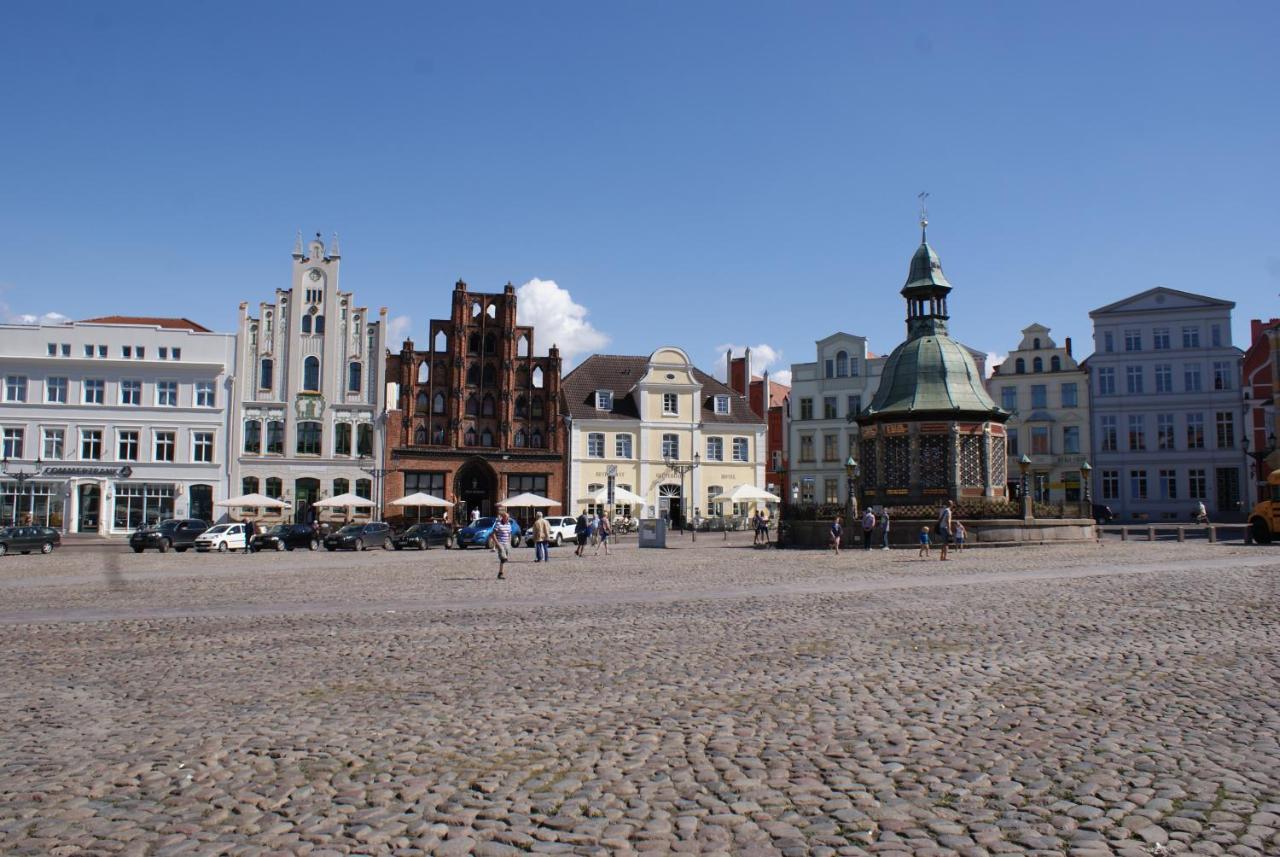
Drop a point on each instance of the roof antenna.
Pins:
(923, 196)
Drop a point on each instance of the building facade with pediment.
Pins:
(309, 391)
(827, 395)
(662, 430)
(1166, 406)
(475, 416)
(1047, 394)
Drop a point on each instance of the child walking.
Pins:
(924, 541)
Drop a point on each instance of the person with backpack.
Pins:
(868, 527)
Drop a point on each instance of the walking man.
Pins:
(541, 539)
(868, 527)
(604, 528)
(944, 528)
(580, 530)
(501, 539)
(249, 533)
(884, 528)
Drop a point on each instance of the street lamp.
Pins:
(1259, 457)
(1024, 464)
(676, 467)
(1086, 472)
(851, 474)
(377, 473)
(22, 477)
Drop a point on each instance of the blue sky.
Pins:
(689, 173)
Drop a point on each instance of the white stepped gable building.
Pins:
(310, 397)
(125, 419)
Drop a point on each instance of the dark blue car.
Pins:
(479, 532)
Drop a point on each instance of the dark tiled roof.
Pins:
(620, 373)
(167, 323)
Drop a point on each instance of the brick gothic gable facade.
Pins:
(477, 416)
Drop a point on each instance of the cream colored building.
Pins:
(1047, 392)
(631, 418)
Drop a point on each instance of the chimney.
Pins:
(1068, 346)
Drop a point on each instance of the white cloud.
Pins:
(8, 316)
(763, 357)
(557, 320)
(398, 329)
(994, 359)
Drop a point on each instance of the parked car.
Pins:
(28, 539)
(286, 537)
(563, 529)
(222, 538)
(360, 537)
(1102, 514)
(478, 533)
(424, 536)
(176, 533)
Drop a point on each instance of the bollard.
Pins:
(1151, 534)
(1213, 534)
(1182, 534)
(1124, 534)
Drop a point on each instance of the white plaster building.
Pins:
(125, 418)
(628, 415)
(310, 398)
(1047, 393)
(1166, 406)
(826, 397)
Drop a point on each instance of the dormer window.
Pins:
(670, 404)
(722, 404)
(604, 400)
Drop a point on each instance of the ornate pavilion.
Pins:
(931, 432)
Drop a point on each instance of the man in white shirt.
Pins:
(501, 540)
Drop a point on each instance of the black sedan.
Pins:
(176, 533)
(359, 537)
(424, 536)
(286, 537)
(28, 540)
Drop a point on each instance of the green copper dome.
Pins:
(932, 375)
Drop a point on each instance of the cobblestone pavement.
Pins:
(1089, 700)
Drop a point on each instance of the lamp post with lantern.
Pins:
(1024, 464)
(851, 478)
(1086, 475)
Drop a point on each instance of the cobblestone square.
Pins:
(711, 699)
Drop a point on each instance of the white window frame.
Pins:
(136, 441)
(162, 389)
(62, 388)
(199, 439)
(595, 444)
(172, 442)
(137, 400)
(100, 389)
(715, 449)
(722, 404)
(13, 442)
(604, 400)
(84, 436)
(622, 446)
(671, 446)
(741, 449)
(671, 404)
(15, 388)
(59, 435)
(206, 394)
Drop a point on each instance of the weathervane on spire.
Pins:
(923, 196)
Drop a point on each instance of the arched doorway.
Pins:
(474, 486)
(305, 492)
(671, 504)
(200, 504)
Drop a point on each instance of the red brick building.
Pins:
(476, 417)
(1260, 397)
(738, 371)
